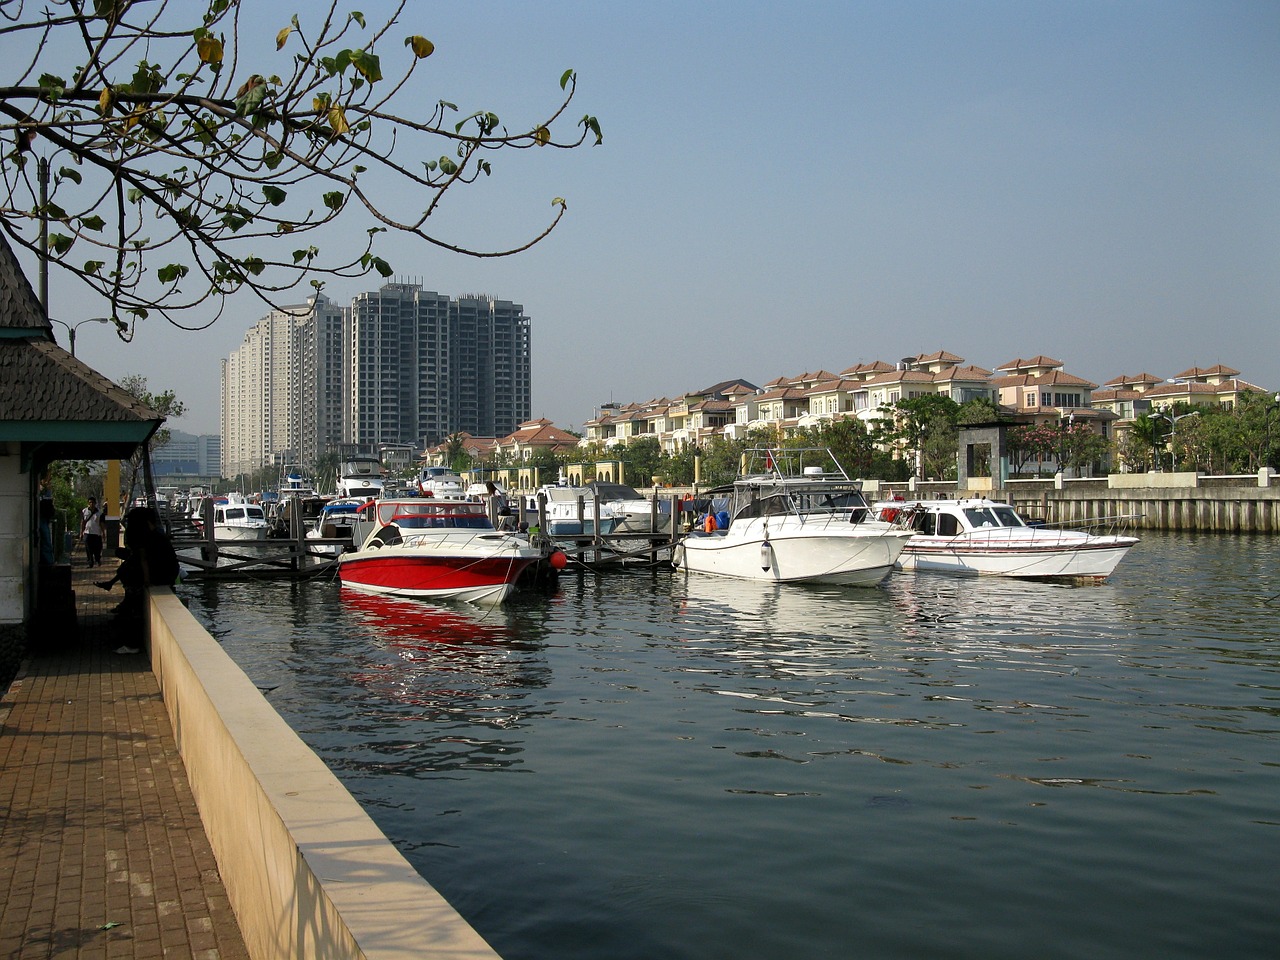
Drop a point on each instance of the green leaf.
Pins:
(274, 195)
(70, 173)
(334, 199)
(134, 195)
(52, 86)
(93, 266)
(565, 78)
(250, 96)
(60, 243)
(172, 272)
(368, 65)
(254, 265)
(592, 124)
(93, 222)
(357, 16)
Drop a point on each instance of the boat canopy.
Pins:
(434, 514)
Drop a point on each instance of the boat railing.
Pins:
(1110, 525)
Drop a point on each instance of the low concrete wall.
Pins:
(308, 873)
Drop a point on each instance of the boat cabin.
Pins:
(950, 518)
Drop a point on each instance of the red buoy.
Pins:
(558, 560)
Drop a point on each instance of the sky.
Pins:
(791, 187)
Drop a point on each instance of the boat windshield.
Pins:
(829, 501)
(996, 516)
(434, 515)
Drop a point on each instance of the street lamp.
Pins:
(1173, 432)
(72, 327)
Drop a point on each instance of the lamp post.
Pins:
(1173, 432)
(72, 327)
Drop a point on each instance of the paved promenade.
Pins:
(102, 851)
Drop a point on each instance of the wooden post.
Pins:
(297, 533)
(210, 549)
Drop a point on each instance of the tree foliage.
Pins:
(167, 405)
(190, 158)
(925, 428)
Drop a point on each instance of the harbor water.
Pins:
(652, 764)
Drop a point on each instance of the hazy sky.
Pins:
(792, 186)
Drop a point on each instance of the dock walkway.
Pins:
(103, 849)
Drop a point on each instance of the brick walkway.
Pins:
(102, 853)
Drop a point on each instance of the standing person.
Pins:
(91, 532)
(150, 562)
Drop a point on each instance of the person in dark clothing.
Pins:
(150, 562)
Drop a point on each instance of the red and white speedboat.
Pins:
(438, 549)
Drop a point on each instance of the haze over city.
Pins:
(784, 188)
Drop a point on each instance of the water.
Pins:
(651, 765)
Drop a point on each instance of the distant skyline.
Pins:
(791, 187)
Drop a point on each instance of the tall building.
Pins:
(282, 389)
(421, 367)
(402, 365)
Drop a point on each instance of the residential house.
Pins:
(1202, 386)
(534, 436)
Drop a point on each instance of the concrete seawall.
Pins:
(307, 871)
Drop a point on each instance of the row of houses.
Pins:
(1036, 390)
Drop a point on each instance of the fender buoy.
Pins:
(677, 555)
(889, 514)
(558, 560)
(766, 555)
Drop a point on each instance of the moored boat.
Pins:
(795, 516)
(984, 537)
(441, 483)
(360, 477)
(429, 548)
(336, 521)
(236, 520)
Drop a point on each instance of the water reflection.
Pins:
(1007, 753)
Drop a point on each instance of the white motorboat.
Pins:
(337, 521)
(572, 511)
(360, 477)
(439, 549)
(794, 518)
(441, 483)
(979, 536)
(237, 519)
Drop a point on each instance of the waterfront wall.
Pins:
(308, 872)
(1155, 501)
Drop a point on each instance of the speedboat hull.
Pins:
(1041, 555)
(233, 533)
(475, 580)
(980, 537)
(838, 553)
(431, 549)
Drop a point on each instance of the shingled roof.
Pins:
(51, 403)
